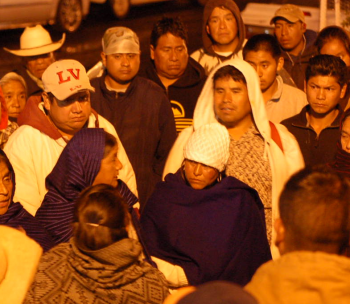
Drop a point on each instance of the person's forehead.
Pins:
(259, 56)
(323, 80)
(220, 10)
(228, 80)
(35, 57)
(169, 38)
(4, 170)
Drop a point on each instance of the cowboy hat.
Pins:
(35, 40)
(19, 258)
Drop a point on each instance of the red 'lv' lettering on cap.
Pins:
(71, 72)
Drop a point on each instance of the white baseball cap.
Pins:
(64, 78)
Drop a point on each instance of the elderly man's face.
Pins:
(122, 68)
(38, 64)
(15, 97)
(6, 186)
(69, 115)
(170, 56)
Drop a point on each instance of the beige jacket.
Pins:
(303, 277)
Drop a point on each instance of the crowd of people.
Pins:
(219, 176)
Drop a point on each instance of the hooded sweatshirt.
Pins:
(282, 163)
(206, 55)
(296, 65)
(303, 277)
(35, 147)
(183, 93)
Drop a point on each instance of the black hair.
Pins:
(314, 208)
(327, 65)
(166, 25)
(332, 32)
(229, 71)
(100, 217)
(263, 42)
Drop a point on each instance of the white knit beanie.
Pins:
(209, 145)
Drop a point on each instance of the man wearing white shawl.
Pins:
(258, 149)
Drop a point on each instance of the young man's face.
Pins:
(69, 115)
(323, 94)
(122, 68)
(231, 102)
(222, 27)
(266, 67)
(289, 35)
(170, 56)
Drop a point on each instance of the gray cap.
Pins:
(120, 40)
(290, 12)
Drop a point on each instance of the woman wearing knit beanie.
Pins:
(201, 226)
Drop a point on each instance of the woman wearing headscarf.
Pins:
(100, 264)
(210, 225)
(13, 214)
(90, 158)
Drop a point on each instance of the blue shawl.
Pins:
(75, 170)
(213, 234)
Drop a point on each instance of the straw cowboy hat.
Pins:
(19, 258)
(35, 40)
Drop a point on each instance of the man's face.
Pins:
(231, 102)
(345, 135)
(289, 35)
(15, 97)
(323, 94)
(170, 56)
(38, 64)
(336, 48)
(6, 187)
(122, 68)
(222, 26)
(265, 66)
(69, 115)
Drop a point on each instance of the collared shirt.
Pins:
(248, 163)
(286, 102)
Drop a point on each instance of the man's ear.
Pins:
(208, 29)
(280, 235)
(303, 26)
(280, 63)
(151, 49)
(104, 58)
(47, 103)
(343, 90)
(305, 85)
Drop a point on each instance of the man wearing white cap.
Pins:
(296, 41)
(37, 51)
(137, 107)
(46, 127)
